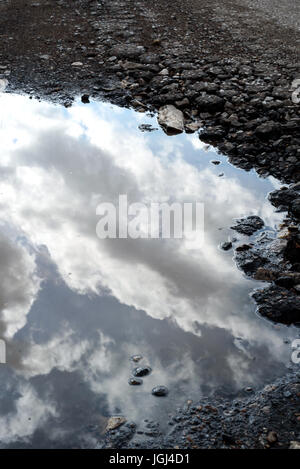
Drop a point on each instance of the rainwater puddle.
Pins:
(75, 308)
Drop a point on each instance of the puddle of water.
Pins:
(75, 308)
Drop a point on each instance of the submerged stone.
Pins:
(160, 391)
(226, 246)
(142, 371)
(135, 381)
(136, 358)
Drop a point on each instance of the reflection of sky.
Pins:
(75, 308)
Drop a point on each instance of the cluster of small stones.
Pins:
(244, 109)
(243, 104)
(265, 419)
(276, 260)
(142, 371)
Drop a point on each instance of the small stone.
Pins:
(160, 391)
(272, 437)
(267, 129)
(164, 72)
(171, 120)
(142, 371)
(114, 422)
(226, 246)
(228, 439)
(77, 64)
(3, 84)
(248, 225)
(136, 358)
(295, 208)
(127, 51)
(294, 445)
(210, 103)
(85, 99)
(193, 127)
(135, 381)
(285, 281)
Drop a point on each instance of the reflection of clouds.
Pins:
(29, 414)
(106, 374)
(18, 286)
(91, 158)
(57, 166)
(62, 352)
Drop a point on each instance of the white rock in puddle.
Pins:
(171, 119)
(3, 84)
(114, 422)
(77, 64)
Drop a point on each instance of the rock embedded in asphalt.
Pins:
(267, 129)
(248, 225)
(295, 208)
(142, 371)
(127, 51)
(272, 437)
(160, 391)
(171, 119)
(210, 103)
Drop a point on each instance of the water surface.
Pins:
(75, 308)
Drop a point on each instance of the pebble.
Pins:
(294, 445)
(136, 358)
(272, 437)
(135, 381)
(226, 246)
(160, 391)
(142, 371)
(114, 422)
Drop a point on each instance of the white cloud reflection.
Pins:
(56, 166)
(75, 158)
